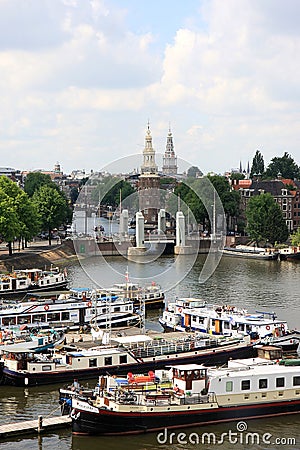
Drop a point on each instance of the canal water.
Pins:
(253, 285)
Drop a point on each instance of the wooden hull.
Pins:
(107, 422)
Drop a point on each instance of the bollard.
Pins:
(40, 424)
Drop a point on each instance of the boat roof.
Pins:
(94, 351)
(20, 347)
(251, 369)
(132, 339)
(186, 367)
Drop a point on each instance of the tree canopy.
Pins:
(258, 165)
(265, 222)
(110, 189)
(295, 238)
(52, 208)
(194, 171)
(19, 218)
(285, 166)
(34, 180)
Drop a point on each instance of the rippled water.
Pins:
(255, 285)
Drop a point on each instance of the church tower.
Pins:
(148, 188)
(169, 160)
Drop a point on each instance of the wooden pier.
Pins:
(36, 426)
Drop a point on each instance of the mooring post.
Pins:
(40, 424)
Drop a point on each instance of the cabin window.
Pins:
(117, 309)
(213, 323)
(263, 383)
(108, 361)
(53, 317)
(39, 318)
(93, 362)
(123, 359)
(46, 368)
(296, 381)
(9, 321)
(245, 385)
(65, 315)
(226, 325)
(24, 319)
(229, 386)
(280, 382)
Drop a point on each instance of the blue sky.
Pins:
(80, 79)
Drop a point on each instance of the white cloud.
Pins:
(76, 79)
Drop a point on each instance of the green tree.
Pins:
(194, 171)
(295, 238)
(258, 165)
(9, 222)
(285, 166)
(34, 180)
(110, 189)
(265, 222)
(52, 207)
(27, 215)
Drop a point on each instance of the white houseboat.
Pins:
(64, 312)
(23, 281)
(249, 388)
(196, 315)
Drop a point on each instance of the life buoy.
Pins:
(74, 415)
(46, 307)
(268, 327)
(180, 310)
(89, 304)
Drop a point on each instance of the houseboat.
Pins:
(68, 312)
(196, 315)
(291, 253)
(23, 281)
(151, 296)
(249, 388)
(124, 355)
(246, 251)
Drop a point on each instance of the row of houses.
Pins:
(286, 193)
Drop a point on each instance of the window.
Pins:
(93, 362)
(280, 382)
(263, 383)
(296, 381)
(226, 325)
(65, 315)
(123, 359)
(108, 361)
(245, 385)
(229, 386)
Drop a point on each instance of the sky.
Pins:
(80, 79)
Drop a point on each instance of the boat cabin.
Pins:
(189, 379)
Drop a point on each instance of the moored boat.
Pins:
(246, 251)
(64, 312)
(248, 388)
(194, 314)
(23, 281)
(124, 354)
(291, 253)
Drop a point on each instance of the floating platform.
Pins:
(36, 426)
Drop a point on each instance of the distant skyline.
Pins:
(80, 80)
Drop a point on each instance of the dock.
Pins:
(36, 426)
